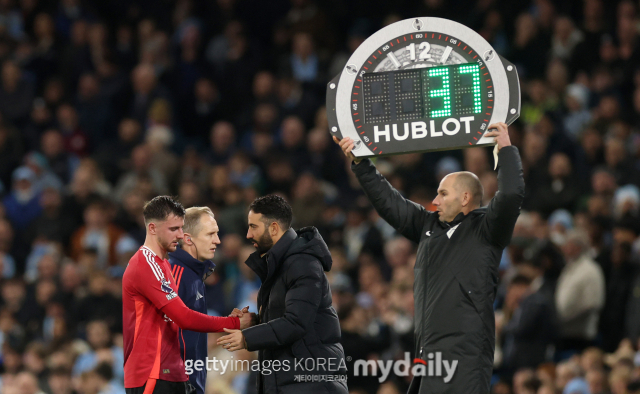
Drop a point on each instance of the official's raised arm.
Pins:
(504, 208)
(404, 215)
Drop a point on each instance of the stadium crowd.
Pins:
(106, 104)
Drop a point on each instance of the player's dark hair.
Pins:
(160, 208)
(273, 209)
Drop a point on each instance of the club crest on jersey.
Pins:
(166, 286)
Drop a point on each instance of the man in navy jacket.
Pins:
(190, 266)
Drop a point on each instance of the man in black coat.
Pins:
(298, 340)
(456, 270)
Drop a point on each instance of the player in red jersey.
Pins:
(153, 312)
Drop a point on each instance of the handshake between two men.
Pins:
(235, 339)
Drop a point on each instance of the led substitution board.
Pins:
(422, 84)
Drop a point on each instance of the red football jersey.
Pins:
(151, 347)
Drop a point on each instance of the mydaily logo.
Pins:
(433, 366)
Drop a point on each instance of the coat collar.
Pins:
(202, 268)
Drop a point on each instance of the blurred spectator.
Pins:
(98, 381)
(94, 109)
(54, 93)
(580, 294)
(76, 141)
(304, 62)
(577, 117)
(114, 157)
(308, 201)
(292, 137)
(295, 100)
(243, 172)
(158, 139)
(360, 236)
(616, 160)
(10, 154)
(565, 372)
(529, 326)
(22, 205)
(85, 187)
(62, 163)
(16, 93)
(597, 381)
(619, 287)
(98, 233)
(632, 317)
(201, 112)
(145, 91)
(27, 383)
(359, 344)
(222, 138)
(561, 190)
(142, 174)
(53, 224)
(324, 160)
(44, 176)
(528, 41)
(577, 386)
(59, 381)
(101, 352)
(565, 38)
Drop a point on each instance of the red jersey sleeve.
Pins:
(152, 283)
(191, 320)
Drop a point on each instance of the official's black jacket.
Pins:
(297, 319)
(456, 274)
(189, 274)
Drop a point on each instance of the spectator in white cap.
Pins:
(560, 222)
(626, 201)
(22, 205)
(578, 116)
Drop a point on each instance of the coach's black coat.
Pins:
(456, 273)
(298, 321)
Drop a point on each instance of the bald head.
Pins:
(465, 181)
(459, 192)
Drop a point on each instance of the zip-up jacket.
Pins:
(298, 340)
(189, 274)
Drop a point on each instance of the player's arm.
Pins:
(504, 209)
(188, 319)
(153, 285)
(404, 215)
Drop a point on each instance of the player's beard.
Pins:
(265, 243)
(169, 246)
